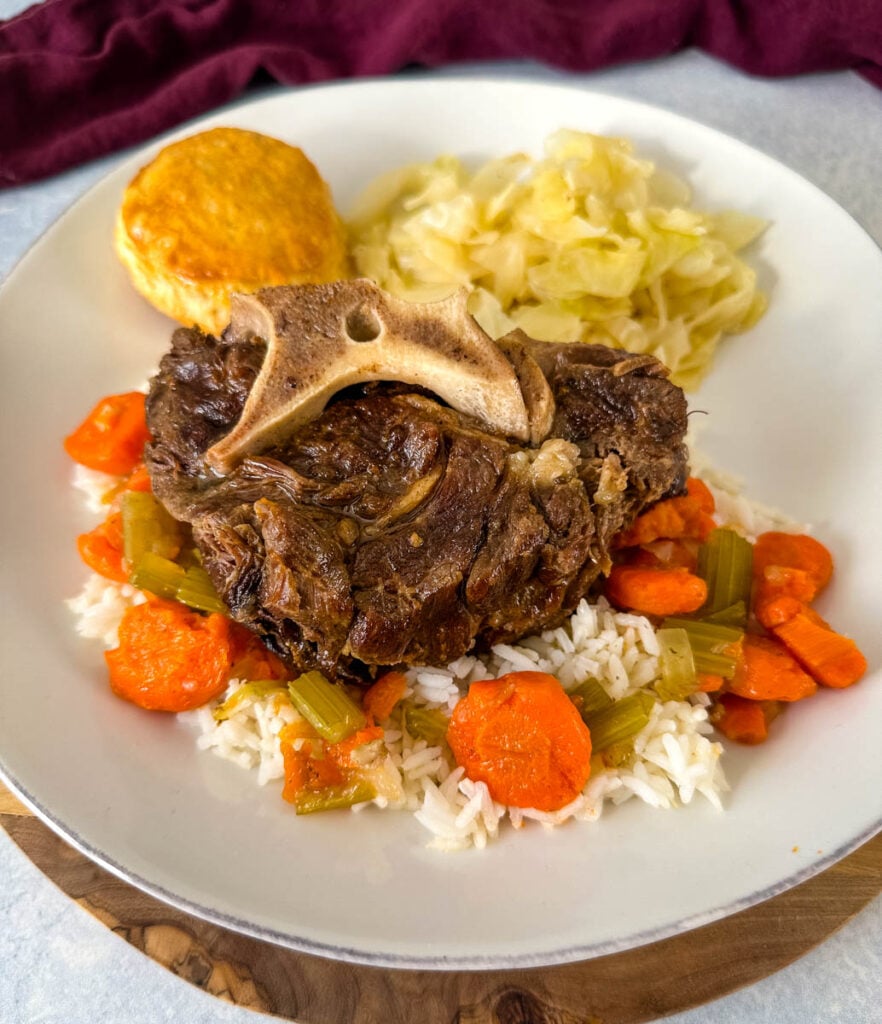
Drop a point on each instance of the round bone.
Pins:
(322, 338)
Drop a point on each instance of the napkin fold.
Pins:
(80, 79)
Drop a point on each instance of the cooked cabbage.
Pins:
(588, 243)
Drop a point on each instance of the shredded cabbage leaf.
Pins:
(588, 243)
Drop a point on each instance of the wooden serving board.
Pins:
(627, 988)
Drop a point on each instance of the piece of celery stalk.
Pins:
(589, 697)
(197, 591)
(725, 563)
(715, 648)
(257, 689)
(429, 724)
(332, 798)
(734, 615)
(624, 719)
(678, 675)
(328, 708)
(165, 578)
(147, 527)
(159, 575)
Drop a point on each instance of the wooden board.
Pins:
(628, 988)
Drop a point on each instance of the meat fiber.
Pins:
(392, 529)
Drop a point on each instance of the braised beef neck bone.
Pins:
(392, 528)
(322, 339)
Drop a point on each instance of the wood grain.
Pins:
(628, 988)
(10, 804)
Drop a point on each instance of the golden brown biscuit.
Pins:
(222, 211)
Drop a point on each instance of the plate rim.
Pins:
(420, 76)
(506, 962)
(569, 954)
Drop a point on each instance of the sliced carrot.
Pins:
(671, 519)
(663, 554)
(112, 437)
(380, 699)
(767, 671)
(741, 720)
(657, 592)
(784, 579)
(522, 735)
(829, 657)
(771, 612)
(710, 683)
(778, 587)
(169, 658)
(793, 551)
(661, 521)
(102, 549)
(342, 752)
(307, 772)
(700, 493)
(313, 766)
(139, 480)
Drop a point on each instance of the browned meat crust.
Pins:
(393, 529)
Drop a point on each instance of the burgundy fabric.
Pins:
(80, 78)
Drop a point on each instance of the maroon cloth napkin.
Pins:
(79, 79)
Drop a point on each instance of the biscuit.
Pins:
(222, 211)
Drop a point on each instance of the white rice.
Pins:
(99, 608)
(750, 518)
(97, 488)
(673, 757)
(250, 737)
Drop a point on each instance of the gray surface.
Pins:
(57, 964)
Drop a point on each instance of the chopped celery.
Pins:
(147, 527)
(332, 798)
(197, 591)
(624, 719)
(188, 557)
(589, 697)
(159, 575)
(165, 578)
(257, 689)
(725, 563)
(676, 661)
(618, 755)
(429, 724)
(715, 647)
(328, 708)
(734, 615)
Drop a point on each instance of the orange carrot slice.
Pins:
(794, 551)
(169, 658)
(709, 682)
(700, 493)
(380, 699)
(658, 592)
(102, 549)
(139, 480)
(741, 720)
(112, 437)
(767, 671)
(524, 738)
(829, 657)
(672, 519)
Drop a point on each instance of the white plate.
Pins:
(793, 407)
